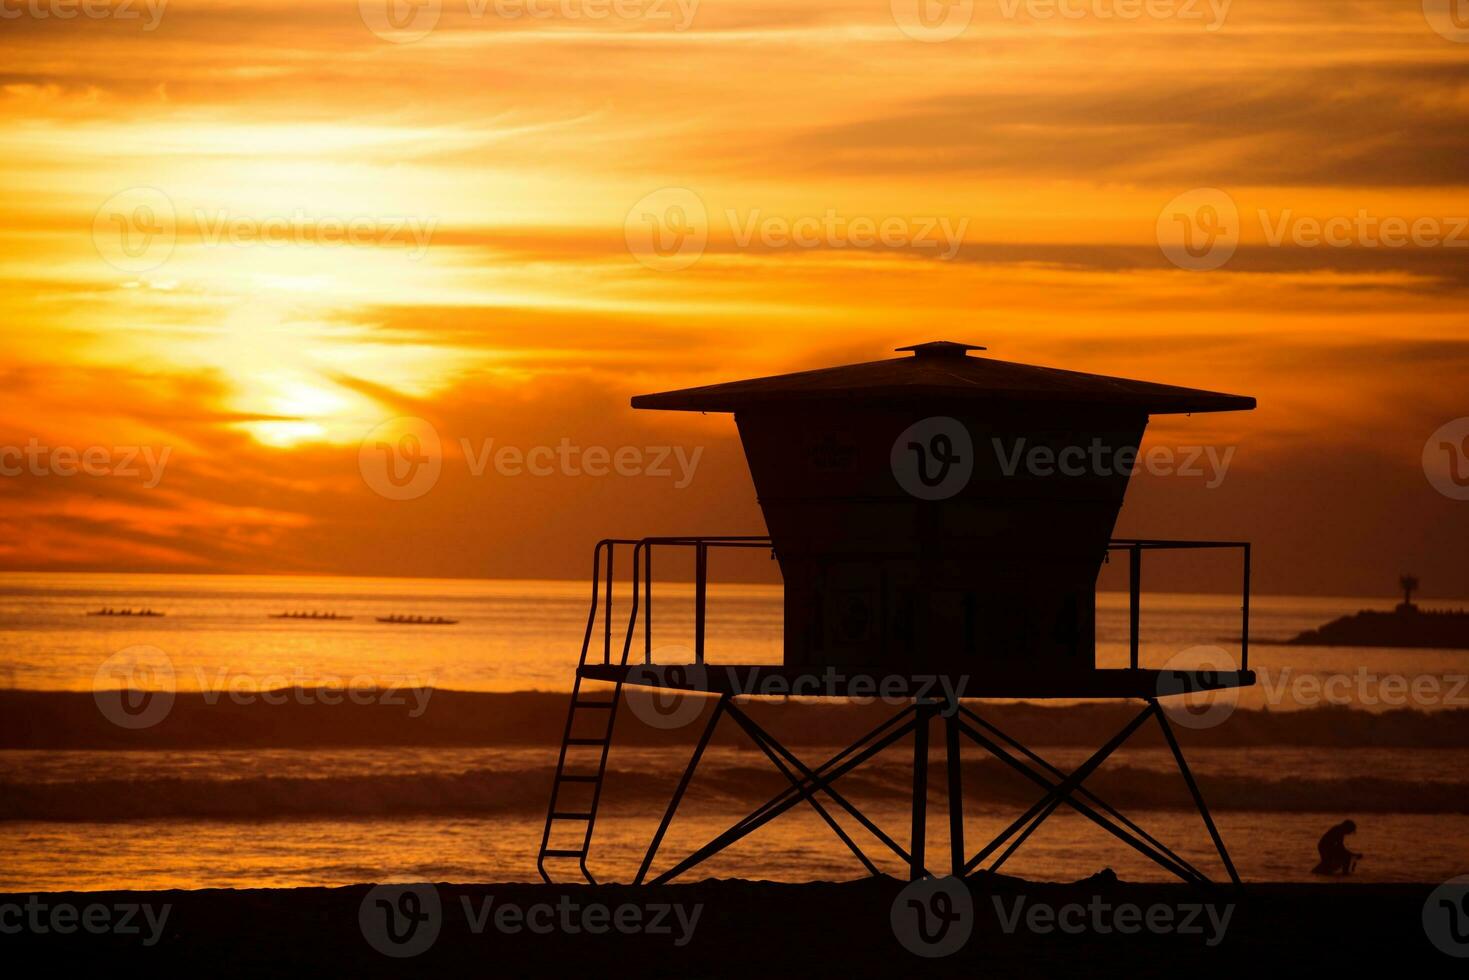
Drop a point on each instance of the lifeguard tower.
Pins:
(939, 514)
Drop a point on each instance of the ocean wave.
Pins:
(436, 718)
(523, 793)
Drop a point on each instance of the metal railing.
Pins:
(1135, 548)
(604, 561)
(604, 558)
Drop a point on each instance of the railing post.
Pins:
(701, 573)
(648, 603)
(607, 617)
(1244, 636)
(1135, 584)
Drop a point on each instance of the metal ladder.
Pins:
(602, 599)
(555, 814)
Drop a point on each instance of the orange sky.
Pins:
(496, 175)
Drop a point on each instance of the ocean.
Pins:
(229, 794)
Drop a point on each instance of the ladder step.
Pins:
(563, 854)
(563, 777)
(567, 815)
(586, 741)
(592, 704)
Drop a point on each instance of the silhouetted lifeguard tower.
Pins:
(939, 513)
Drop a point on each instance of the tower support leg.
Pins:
(683, 785)
(819, 781)
(1193, 787)
(956, 792)
(920, 791)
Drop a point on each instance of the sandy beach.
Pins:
(724, 927)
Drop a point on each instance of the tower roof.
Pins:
(942, 370)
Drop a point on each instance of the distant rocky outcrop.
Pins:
(1406, 626)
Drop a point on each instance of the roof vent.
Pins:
(941, 348)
